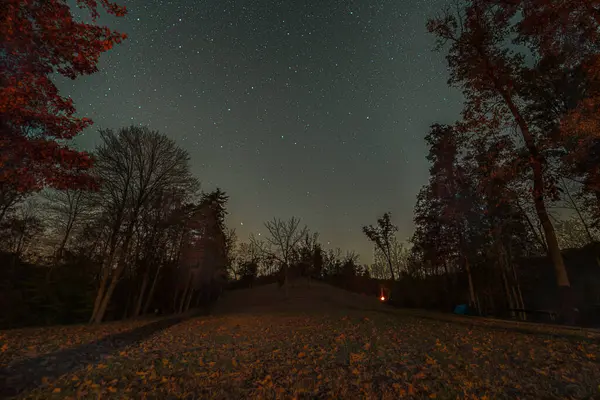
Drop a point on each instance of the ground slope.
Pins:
(322, 342)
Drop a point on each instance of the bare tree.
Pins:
(259, 252)
(382, 236)
(22, 227)
(66, 208)
(10, 196)
(283, 239)
(399, 254)
(143, 163)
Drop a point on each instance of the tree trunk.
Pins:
(138, 306)
(151, 292)
(389, 260)
(186, 289)
(562, 278)
(517, 283)
(127, 305)
(106, 268)
(116, 275)
(189, 299)
(106, 298)
(63, 243)
(473, 301)
(100, 293)
(518, 303)
(507, 293)
(175, 297)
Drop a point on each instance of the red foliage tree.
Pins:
(39, 38)
(565, 38)
(491, 77)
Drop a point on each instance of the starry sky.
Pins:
(308, 108)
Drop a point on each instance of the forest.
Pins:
(507, 222)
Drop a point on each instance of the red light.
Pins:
(382, 298)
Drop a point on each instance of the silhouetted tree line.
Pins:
(514, 187)
(288, 252)
(144, 238)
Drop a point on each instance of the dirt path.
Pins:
(326, 343)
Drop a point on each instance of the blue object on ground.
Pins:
(461, 309)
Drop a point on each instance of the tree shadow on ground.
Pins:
(28, 374)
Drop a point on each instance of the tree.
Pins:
(332, 262)
(37, 39)
(231, 250)
(309, 256)
(66, 208)
(382, 235)
(445, 216)
(283, 239)
(136, 165)
(22, 228)
(10, 196)
(156, 232)
(491, 77)
(248, 273)
(399, 256)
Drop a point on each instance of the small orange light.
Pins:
(382, 298)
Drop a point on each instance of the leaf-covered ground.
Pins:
(325, 343)
(19, 344)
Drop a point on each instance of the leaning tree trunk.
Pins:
(106, 267)
(151, 292)
(187, 288)
(101, 291)
(115, 276)
(518, 296)
(507, 292)
(107, 296)
(140, 299)
(562, 277)
(189, 299)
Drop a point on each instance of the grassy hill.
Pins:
(320, 342)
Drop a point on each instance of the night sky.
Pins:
(315, 109)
